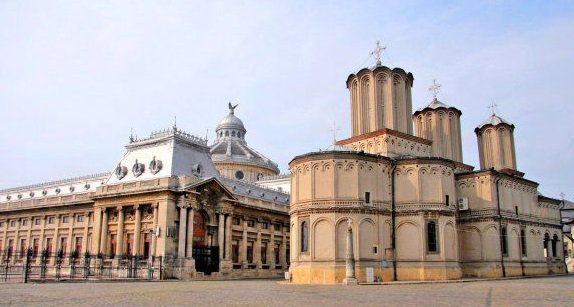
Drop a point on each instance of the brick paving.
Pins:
(547, 291)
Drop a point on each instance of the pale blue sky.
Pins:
(76, 76)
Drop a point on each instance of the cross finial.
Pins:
(492, 107)
(175, 123)
(334, 130)
(434, 88)
(562, 195)
(132, 136)
(377, 52)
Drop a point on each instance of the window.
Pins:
(22, 248)
(305, 237)
(78, 246)
(446, 200)
(37, 221)
(250, 223)
(232, 133)
(239, 175)
(235, 251)
(523, 241)
(65, 219)
(250, 252)
(50, 220)
(12, 223)
(554, 245)
(367, 197)
(63, 245)
(432, 237)
(264, 225)
(504, 241)
(277, 227)
(264, 253)
(79, 218)
(226, 133)
(49, 246)
(36, 247)
(545, 244)
(1, 224)
(235, 221)
(24, 222)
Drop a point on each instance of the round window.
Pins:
(239, 175)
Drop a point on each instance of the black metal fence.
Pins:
(45, 266)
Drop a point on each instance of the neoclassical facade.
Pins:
(165, 200)
(416, 211)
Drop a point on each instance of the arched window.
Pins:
(504, 241)
(238, 134)
(554, 246)
(545, 245)
(432, 237)
(232, 133)
(523, 241)
(304, 237)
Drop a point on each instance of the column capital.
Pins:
(120, 208)
(136, 207)
(182, 205)
(155, 205)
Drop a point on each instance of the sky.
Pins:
(77, 76)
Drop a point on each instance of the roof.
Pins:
(494, 120)
(435, 104)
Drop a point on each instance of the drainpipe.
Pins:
(393, 239)
(500, 227)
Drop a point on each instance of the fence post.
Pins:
(27, 264)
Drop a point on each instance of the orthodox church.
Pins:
(389, 203)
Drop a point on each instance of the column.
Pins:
(189, 246)
(70, 248)
(56, 243)
(138, 230)
(4, 242)
(271, 247)
(283, 252)
(41, 246)
(228, 237)
(154, 236)
(120, 244)
(85, 246)
(220, 235)
(103, 248)
(97, 230)
(29, 234)
(182, 229)
(257, 245)
(243, 259)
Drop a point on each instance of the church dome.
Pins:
(494, 120)
(233, 157)
(435, 104)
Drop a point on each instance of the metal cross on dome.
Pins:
(334, 130)
(377, 52)
(492, 107)
(434, 88)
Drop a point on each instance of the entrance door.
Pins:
(206, 257)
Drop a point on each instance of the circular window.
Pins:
(239, 175)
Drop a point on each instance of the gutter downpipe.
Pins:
(393, 239)
(500, 226)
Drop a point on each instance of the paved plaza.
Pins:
(548, 291)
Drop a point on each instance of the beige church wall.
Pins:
(479, 191)
(424, 181)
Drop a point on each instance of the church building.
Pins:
(413, 210)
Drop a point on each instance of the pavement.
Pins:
(539, 291)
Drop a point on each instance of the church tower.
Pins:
(380, 98)
(440, 123)
(496, 144)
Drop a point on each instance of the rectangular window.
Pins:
(263, 252)
(432, 237)
(504, 241)
(235, 251)
(23, 248)
(79, 218)
(277, 252)
(36, 247)
(250, 252)
(367, 197)
(63, 245)
(12, 223)
(523, 241)
(79, 246)
(49, 246)
(235, 221)
(37, 221)
(65, 219)
(1, 224)
(447, 200)
(250, 223)
(305, 236)
(25, 222)
(50, 220)
(277, 227)
(264, 225)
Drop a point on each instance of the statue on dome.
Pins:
(232, 108)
